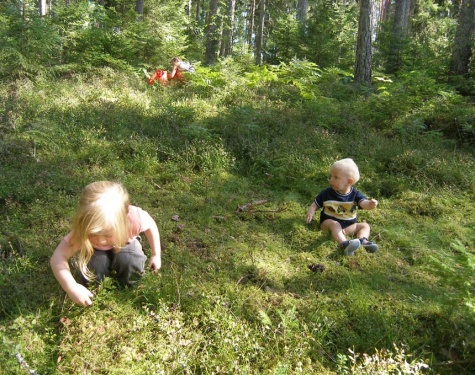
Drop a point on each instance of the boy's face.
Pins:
(340, 181)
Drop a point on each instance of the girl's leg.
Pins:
(99, 265)
(129, 260)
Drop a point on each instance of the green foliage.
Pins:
(423, 106)
(462, 258)
(382, 362)
(330, 36)
(81, 35)
(30, 43)
(427, 47)
(286, 32)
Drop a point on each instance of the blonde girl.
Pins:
(105, 237)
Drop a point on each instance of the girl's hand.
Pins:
(155, 262)
(81, 295)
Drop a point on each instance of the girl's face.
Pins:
(102, 241)
(340, 181)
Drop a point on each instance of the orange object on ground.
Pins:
(162, 76)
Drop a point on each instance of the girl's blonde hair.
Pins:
(102, 210)
(349, 167)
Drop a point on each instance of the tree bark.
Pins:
(139, 5)
(302, 8)
(250, 35)
(363, 64)
(212, 37)
(198, 10)
(399, 35)
(260, 32)
(462, 51)
(42, 5)
(228, 26)
(384, 10)
(188, 9)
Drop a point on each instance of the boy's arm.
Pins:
(59, 264)
(153, 238)
(368, 204)
(311, 212)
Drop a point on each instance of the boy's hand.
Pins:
(369, 204)
(311, 213)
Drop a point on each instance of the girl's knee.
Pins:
(129, 260)
(132, 260)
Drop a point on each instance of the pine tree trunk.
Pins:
(363, 64)
(188, 9)
(198, 10)
(399, 35)
(212, 37)
(42, 5)
(228, 26)
(302, 7)
(139, 5)
(260, 32)
(252, 12)
(462, 52)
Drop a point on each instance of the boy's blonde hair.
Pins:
(348, 167)
(102, 210)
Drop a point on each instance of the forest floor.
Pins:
(228, 172)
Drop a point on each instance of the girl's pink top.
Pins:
(139, 221)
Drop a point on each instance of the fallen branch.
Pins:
(24, 364)
(248, 206)
(276, 210)
(455, 363)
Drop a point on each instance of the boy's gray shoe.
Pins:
(349, 247)
(370, 247)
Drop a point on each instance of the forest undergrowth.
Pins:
(228, 164)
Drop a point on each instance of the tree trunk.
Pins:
(250, 35)
(139, 5)
(260, 32)
(363, 64)
(399, 35)
(228, 26)
(198, 10)
(42, 5)
(212, 37)
(302, 8)
(462, 52)
(188, 9)
(384, 10)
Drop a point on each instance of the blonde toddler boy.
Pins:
(338, 204)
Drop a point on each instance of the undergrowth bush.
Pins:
(383, 362)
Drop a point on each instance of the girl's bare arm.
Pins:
(59, 264)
